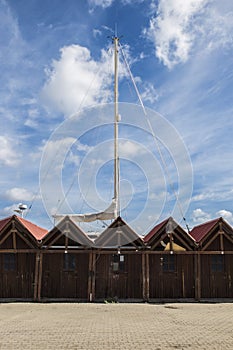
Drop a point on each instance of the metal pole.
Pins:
(116, 120)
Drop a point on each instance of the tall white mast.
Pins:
(116, 120)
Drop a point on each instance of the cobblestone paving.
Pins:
(116, 326)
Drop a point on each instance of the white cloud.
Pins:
(11, 39)
(128, 148)
(171, 29)
(227, 215)
(149, 93)
(96, 32)
(8, 155)
(9, 210)
(132, 2)
(101, 3)
(199, 216)
(76, 80)
(215, 195)
(54, 155)
(177, 26)
(33, 115)
(19, 194)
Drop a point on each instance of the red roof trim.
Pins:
(4, 222)
(36, 231)
(200, 231)
(154, 230)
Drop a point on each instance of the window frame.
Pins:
(118, 263)
(69, 262)
(168, 263)
(217, 263)
(9, 262)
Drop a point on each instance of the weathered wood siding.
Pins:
(171, 276)
(59, 280)
(17, 274)
(216, 276)
(123, 281)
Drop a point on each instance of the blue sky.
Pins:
(56, 61)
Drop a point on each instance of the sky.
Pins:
(56, 109)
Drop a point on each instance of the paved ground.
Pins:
(116, 326)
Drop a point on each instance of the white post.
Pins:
(116, 120)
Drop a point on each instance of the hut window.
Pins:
(217, 263)
(69, 262)
(118, 262)
(168, 263)
(9, 262)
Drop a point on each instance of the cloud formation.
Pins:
(76, 80)
(172, 29)
(8, 155)
(178, 27)
(199, 216)
(101, 3)
(19, 194)
(226, 214)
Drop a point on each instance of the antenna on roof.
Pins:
(115, 29)
(21, 208)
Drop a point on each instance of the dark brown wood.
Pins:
(5, 238)
(147, 277)
(40, 276)
(90, 273)
(65, 276)
(17, 276)
(197, 276)
(144, 291)
(36, 276)
(171, 276)
(62, 267)
(93, 276)
(210, 242)
(14, 240)
(118, 276)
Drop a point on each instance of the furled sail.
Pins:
(108, 214)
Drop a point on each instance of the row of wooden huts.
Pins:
(66, 264)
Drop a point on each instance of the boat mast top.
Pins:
(116, 120)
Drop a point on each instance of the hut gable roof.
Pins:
(67, 228)
(16, 232)
(36, 231)
(155, 230)
(216, 234)
(4, 222)
(200, 231)
(118, 234)
(159, 237)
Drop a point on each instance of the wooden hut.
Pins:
(18, 258)
(118, 264)
(64, 263)
(170, 262)
(214, 272)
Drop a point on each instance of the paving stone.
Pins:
(116, 326)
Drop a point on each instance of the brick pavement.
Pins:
(116, 326)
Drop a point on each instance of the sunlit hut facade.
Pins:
(19, 252)
(66, 264)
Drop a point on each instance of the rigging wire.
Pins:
(58, 149)
(155, 138)
(81, 195)
(51, 164)
(98, 134)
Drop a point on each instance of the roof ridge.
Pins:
(31, 223)
(207, 222)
